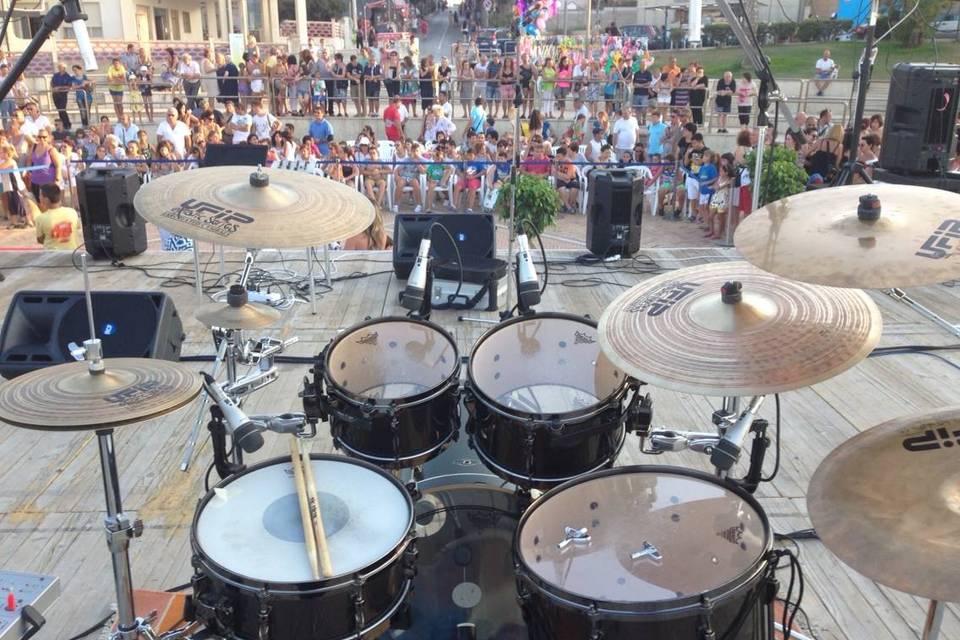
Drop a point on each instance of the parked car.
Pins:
(947, 24)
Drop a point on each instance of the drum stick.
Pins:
(326, 565)
(298, 479)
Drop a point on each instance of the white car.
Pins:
(947, 24)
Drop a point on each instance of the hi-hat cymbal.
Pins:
(67, 397)
(241, 207)
(818, 237)
(887, 503)
(680, 331)
(247, 317)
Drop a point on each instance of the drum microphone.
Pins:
(416, 289)
(244, 431)
(528, 283)
(727, 451)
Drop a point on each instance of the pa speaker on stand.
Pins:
(112, 229)
(614, 212)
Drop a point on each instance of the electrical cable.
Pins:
(456, 294)
(93, 628)
(206, 476)
(776, 464)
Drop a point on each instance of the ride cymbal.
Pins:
(887, 503)
(67, 397)
(241, 207)
(826, 237)
(696, 330)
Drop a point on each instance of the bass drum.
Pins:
(545, 404)
(465, 523)
(392, 391)
(658, 553)
(252, 576)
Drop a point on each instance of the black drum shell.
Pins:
(551, 613)
(320, 610)
(564, 445)
(425, 422)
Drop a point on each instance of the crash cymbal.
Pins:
(239, 207)
(887, 503)
(238, 313)
(67, 397)
(680, 331)
(817, 237)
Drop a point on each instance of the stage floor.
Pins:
(50, 485)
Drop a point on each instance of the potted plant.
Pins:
(537, 203)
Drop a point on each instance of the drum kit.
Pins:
(523, 527)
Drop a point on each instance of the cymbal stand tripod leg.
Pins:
(313, 285)
(196, 268)
(901, 296)
(931, 626)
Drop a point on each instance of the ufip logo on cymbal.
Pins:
(209, 217)
(938, 245)
(662, 298)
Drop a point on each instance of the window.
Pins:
(187, 27)
(175, 23)
(94, 22)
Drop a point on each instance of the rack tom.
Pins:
(545, 403)
(659, 553)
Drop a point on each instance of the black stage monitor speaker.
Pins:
(947, 181)
(614, 212)
(474, 233)
(40, 326)
(224, 155)
(918, 132)
(112, 229)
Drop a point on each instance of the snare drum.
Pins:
(252, 575)
(392, 391)
(659, 553)
(545, 403)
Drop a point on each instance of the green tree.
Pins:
(316, 9)
(916, 29)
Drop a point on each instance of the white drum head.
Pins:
(252, 527)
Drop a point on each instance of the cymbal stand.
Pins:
(901, 296)
(934, 621)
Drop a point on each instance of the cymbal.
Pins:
(817, 237)
(887, 503)
(248, 316)
(680, 331)
(244, 207)
(67, 397)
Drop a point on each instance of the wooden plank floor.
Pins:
(50, 485)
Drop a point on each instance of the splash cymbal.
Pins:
(887, 503)
(818, 237)
(67, 397)
(694, 330)
(241, 207)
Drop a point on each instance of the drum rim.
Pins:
(312, 586)
(649, 608)
(585, 413)
(396, 403)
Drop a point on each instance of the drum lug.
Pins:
(264, 597)
(359, 621)
(410, 560)
(413, 490)
(706, 624)
(596, 633)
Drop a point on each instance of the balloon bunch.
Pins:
(533, 18)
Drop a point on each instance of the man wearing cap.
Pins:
(60, 84)
(362, 152)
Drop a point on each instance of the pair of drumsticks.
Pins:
(313, 534)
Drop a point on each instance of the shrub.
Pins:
(781, 176)
(537, 203)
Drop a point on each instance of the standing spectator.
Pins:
(144, 82)
(465, 78)
(508, 78)
(189, 72)
(745, 93)
(60, 84)
(409, 85)
(480, 72)
(263, 122)
(825, 69)
(526, 73)
(548, 81)
(338, 73)
(175, 132)
(707, 178)
(308, 70)
(698, 94)
(130, 60)
(642, 81)
(478, 116)
(444, 75)
(426, 75)
(723, 100)
(125, 130)
(391, 75)
(229, 76)
(45, 156)
(9, 104)
(58, 227)
(656, 132)
(255, 77)
(564, 82)
(83, 93)
(353, 73)
(444, 102)
(237, 124)
(393, 119)
(116, 81)
(208, 78)
(321, 130)
(626, 130)
(493, 83)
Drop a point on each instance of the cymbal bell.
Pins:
(887, 503)
(827, 237)
(238, 313)
(67, 397)
(730, 329)
(243, 207)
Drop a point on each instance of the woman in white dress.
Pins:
(208, 78)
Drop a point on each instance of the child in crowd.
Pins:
(707, 177)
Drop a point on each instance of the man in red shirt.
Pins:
(393, 117)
